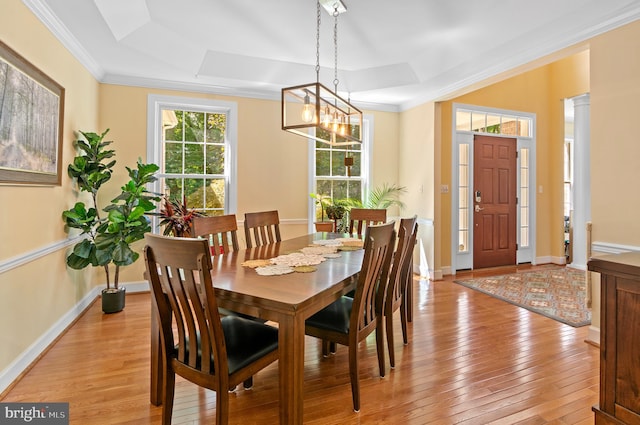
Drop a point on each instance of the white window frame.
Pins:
(365, 164)
(155, 105)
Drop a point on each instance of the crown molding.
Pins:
(60, 31)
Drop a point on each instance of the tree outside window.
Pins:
(194, 162)
(334, 178)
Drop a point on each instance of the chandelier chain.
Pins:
(318, 21)
(335, 46)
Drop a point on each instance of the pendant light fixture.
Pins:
(313, 110)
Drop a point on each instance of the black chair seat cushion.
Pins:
(334, 317)
(246, 341)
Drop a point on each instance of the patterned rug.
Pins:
(558, 293)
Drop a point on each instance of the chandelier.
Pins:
(314, 111)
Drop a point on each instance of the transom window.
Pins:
(494, 123)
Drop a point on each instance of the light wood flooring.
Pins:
(472, 359)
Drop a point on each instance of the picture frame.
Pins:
(31, 123)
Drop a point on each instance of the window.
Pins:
(463, 196)
(194, 144)
(524, 198)
(494, 123)
(341, 172)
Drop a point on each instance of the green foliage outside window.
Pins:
(334, 181)
(195, 147)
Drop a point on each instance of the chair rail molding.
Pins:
(28, 257)
(600, 248)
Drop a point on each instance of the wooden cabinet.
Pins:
(619, 338)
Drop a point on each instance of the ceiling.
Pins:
(392, 55)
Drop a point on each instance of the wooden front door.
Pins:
(494, 201)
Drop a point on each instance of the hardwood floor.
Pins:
(472, 359)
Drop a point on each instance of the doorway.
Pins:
(506, 236)
(495, 201)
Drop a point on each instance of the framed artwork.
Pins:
(31, 118)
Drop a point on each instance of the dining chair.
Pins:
(360, 218)
(265, 227)
(348, 321)
(197, 344)
(221, 231)
(396, 280)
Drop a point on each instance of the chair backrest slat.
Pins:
(262, 228)
(221, 232)
(394, 277)
(378, 243)
(361, 218)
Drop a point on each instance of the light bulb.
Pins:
(326, 120)
(336, 122)
(308, 114)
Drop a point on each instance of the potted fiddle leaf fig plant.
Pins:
(108, 232)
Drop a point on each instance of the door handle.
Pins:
(478, 208)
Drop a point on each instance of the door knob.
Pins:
(478, 208)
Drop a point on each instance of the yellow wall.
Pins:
(615, 90)
(540, 91)
(418, 172)
(36, 295)
(615, 149)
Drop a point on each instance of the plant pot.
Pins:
(324, 226)
(113, 300)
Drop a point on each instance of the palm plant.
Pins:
(384, 196)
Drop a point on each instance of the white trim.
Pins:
(526, 58)
(593, 335)
(23, 259)
(612, 248)
(42, 10)
(155, 104)
(464, 260)
(31, 354)
(23, 361)
(444, 271)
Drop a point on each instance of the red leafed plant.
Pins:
(176, 217)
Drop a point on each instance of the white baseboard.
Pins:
(135, 287)
(431, 274)
(550, 259)
(594, 335)
(31, 354)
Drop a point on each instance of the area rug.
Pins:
(559, 294)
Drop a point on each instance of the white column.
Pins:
(581, 180)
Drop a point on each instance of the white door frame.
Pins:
(463, 259)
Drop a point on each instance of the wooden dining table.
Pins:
(287, 299)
